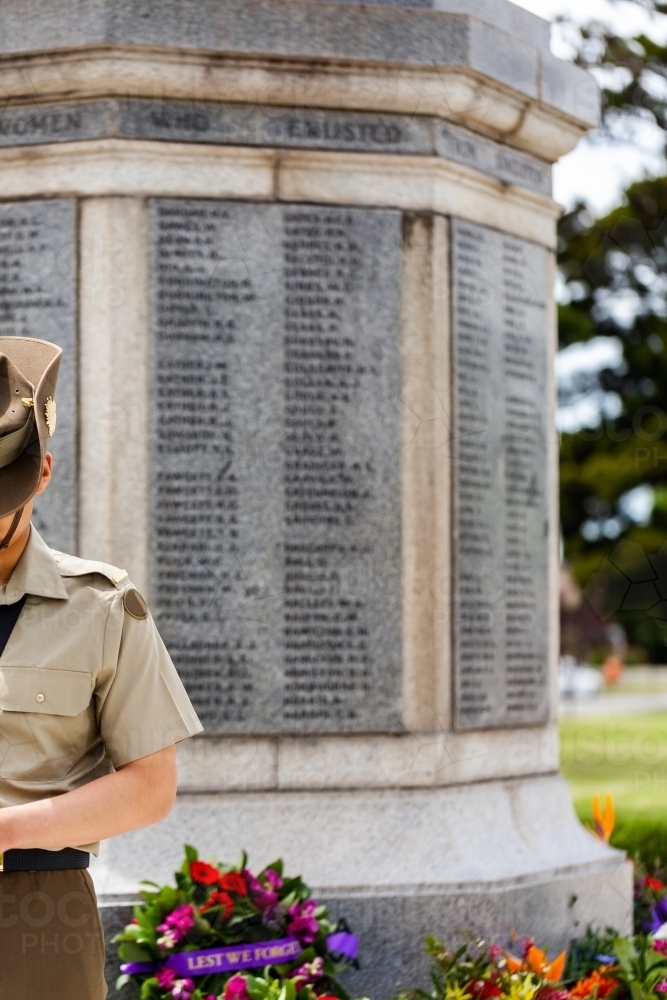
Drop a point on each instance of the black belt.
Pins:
(37, 860)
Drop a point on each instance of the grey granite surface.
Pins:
(501, 623)
(297, 128)
(500, 13)
(276, 462)
(376, 33)
(38, 293)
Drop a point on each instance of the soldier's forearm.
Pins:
(139, 794)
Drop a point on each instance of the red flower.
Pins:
(220, 899)
(233, 882)
(653, 883)
(483, 989)
(205, 874)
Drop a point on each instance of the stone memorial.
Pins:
(309, 247)
(500, 288)
(38, 299)
(282, 383)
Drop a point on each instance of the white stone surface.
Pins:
(486, 835)
(139, 168)
(427, 432)
(114, 398)
(117, 167)
(451, 93)
(418, 759)
(417, 183)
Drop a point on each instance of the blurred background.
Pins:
(612, 420)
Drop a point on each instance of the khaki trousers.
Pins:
(51, 939)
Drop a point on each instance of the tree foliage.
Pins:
(614, 272)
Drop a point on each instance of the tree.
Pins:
(614, 272)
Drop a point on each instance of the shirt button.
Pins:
(40, 697)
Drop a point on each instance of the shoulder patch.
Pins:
(135, 605)
(73, 566)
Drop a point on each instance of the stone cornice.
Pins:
(455, 93)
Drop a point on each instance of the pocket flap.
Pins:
(50, 692)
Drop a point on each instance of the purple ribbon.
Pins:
(241, 956)
(344, 944)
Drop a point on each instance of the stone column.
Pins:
(315, 246)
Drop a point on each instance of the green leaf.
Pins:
(130, 952)
(191, 853)
(625, 953)
(122, 981)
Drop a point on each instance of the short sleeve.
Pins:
(141, 704)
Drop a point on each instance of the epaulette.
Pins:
(73, 566)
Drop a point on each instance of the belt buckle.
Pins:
(2, 858)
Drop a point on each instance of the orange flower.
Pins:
(536, 961)
(596, 986)
(603, 821)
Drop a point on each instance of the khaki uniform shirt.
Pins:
(85, 687)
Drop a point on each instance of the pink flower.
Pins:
(496, 952)
(308, 973)
(273, 878)
(659, 945)
(183, 989)
(301, 922)
(176, 926)
(165, 977)
(235, 989)
(661, 987)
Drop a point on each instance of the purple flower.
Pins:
(658, 916)
(301, 922)
(265, 899)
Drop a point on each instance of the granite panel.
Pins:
(276, 468)
(501, 14)
(500, 504)
(32, 124)
(493, 40)
(496, 159)
(250, 125)
(291, 127)
(38, 284)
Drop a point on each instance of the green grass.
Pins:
(626, 756)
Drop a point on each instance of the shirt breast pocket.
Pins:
(44, 724)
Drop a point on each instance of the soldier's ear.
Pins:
(47, 470)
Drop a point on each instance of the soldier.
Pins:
(90, 709)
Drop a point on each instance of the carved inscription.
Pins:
(247, 125)
(499, 479)
(38, 299)
(276, 478)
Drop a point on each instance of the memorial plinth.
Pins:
(300, 255)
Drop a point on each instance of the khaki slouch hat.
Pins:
(28, 375)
